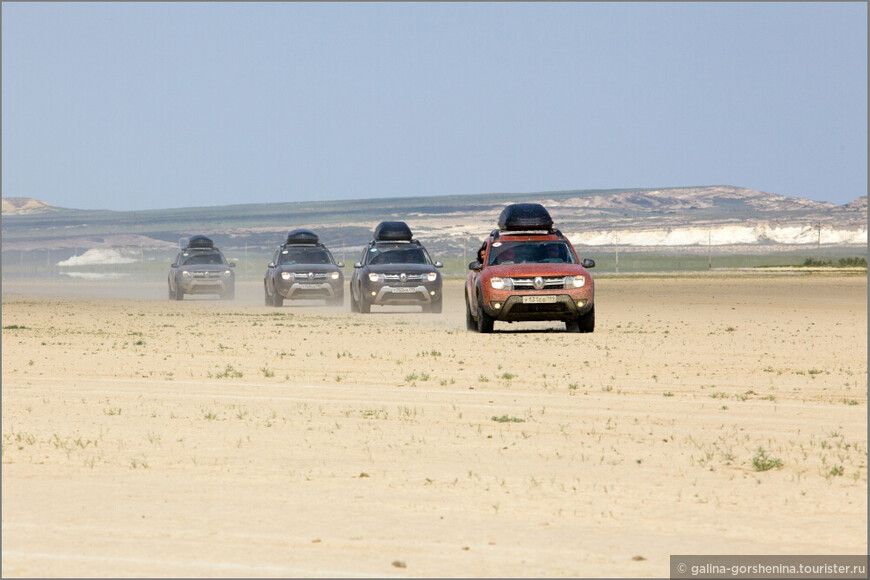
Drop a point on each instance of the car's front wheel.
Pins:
(584, 323)
(266, 298)
(434, 307)
(485, 322)
(470, 322)
(365, 306)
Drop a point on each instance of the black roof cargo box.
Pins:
(393, 232)
(200, 242)
(525, 217)
(301, 236)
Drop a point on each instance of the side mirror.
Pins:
(357, 265)
(173, 265)
(587, 263)
(232, 264)
(439, 264)
(271, 264)
(475, 265)
(340, 264)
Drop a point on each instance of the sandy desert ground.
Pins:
(706, 415)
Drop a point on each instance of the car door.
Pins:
(474, 276)
(271, 271)
(173, 273)
(356, 278)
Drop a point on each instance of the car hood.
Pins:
(206, 268)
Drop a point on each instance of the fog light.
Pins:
(496, 305)
(432, 292)
(581, 303)
(374, 293)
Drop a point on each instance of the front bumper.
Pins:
(206, 286)
(415, 294)
(306, 290)
(510, 307)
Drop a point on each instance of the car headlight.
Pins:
(575, 281)
(499, 283)
(185, 273)
(433, 276)
(228, 273)
(374, 277)
(286, 275)
(335, 275)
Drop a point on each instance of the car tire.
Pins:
(171, 293)
(179, 293)
(266, 298)
(470, 322)
(354, 305)
(337, 301)
(586, 323)
(572, 325)
(485, 322)
(434, 307)
(229, 294)
(365, 306)
(277, 300)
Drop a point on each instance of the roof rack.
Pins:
(496, 234)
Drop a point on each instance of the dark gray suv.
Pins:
(395, 269)
(303, 268)
(201, 268)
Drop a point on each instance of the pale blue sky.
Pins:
(155, 105)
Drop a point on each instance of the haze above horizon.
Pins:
(129, 106)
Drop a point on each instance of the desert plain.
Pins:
(720, 414)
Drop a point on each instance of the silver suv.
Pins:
(201, 268)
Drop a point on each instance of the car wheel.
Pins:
(586, 323)
(364, 305)
(229, 294)
(337, 301)
(171, 293)
(434, 307)
(485, 322)
(572, 325)
(354, 305)
(277, 299)
(179, 293)
(266, 298)
(470, 322)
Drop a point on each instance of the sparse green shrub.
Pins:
(764, 462)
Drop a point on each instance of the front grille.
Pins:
(393, 277)
(304, 275)
(529, 283)
(206, 275)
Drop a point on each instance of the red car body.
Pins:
(529, 290)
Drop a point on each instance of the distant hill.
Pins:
(644, 218)
(25, 205)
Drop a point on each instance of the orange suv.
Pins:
(526, 270)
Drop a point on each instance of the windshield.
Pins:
(530, 253)
(192, 259)
(398, 255)
(292, 256)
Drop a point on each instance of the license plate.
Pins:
(404, 290)
(309, 286)
(539, 299)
